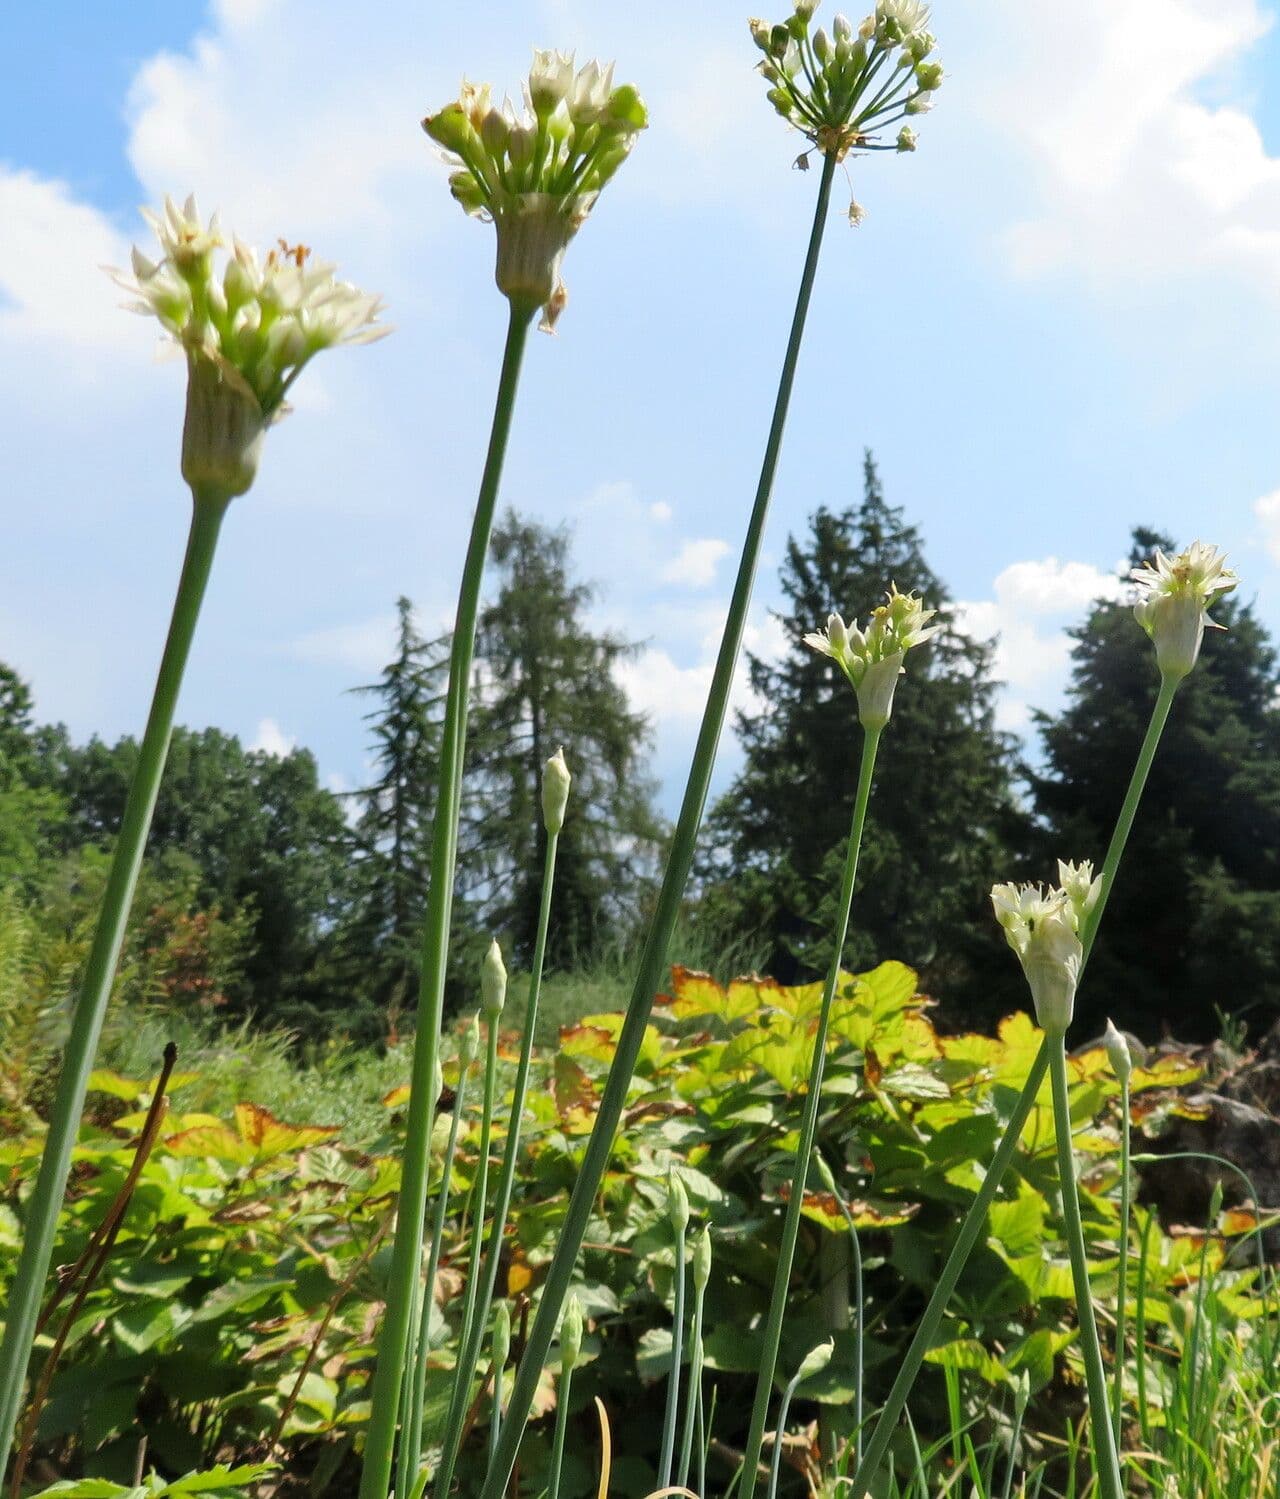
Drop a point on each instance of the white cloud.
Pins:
(1267, 509)
(272, 740)
(364, 646)
(660, 510)
(1034, 603)
(695, 564)
(1137, 177)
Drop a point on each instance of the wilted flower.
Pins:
(537, 174)
(493, 982)
(555, 791)
(1176, 593)
(247, 334)
(872, 659)
(1043, 928)
(840, 89)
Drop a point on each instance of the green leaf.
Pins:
(967, 1354)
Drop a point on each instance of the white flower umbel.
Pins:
(844, 89)
(538, 173)
(1078, 883)
(1043, 928)
(872, 658)
(1173, 607)
(247, 331)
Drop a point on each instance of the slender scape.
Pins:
(375, 1477)
(654, 957)
(41, 1218)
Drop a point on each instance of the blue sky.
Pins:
(1060, 318)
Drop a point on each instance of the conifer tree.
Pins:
(1193, 925)
(944, 812)
(545, 679)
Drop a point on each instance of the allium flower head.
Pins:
(1043, 928)
(247, 333)
(1173, 606)
(538, 173)
(1081, 888)
(844, 89)
(1118, 1053)
(872, 658)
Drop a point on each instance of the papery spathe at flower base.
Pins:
(247, 334)
(1118, 1053)
(556, 781)
(815, 1361)
(493, 982)
(538, 173)
(1043, 928)
(873, 659)
(1175, 596)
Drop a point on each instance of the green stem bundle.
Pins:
(808, 1128)
(41, 1218)
(670, 897)
(406, 1259)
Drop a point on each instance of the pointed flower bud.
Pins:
(906, 139)
(501, 1335)
(702, 1260)
(872, 659)
(1043, 928)
(247, 334)
(815, 1361)
(555, 791)
(677, 1203)
(538, 176)
(1175, 594)
(570, 1333)
(1118, 1053)
(469, 1047)
(493, 982)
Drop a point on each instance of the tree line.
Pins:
(273, 897)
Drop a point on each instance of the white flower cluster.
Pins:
(839, 88)
(1043, 928)
(872, 658)
(1173, 607)
(537, 173)
(247, 331)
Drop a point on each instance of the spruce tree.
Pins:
(545, 679)
(379, 941)
(1193, 924)
(943, 811)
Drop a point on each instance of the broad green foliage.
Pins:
(235, 1317)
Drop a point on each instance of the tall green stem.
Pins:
(693, 1389)
(406, 1258)
(784, 1409)
(1137, 782)
(411, 1436)
(654, 958)
(466, 1366)
(41, 1218)
(667, 1455)
(562, 1425)
(808, 1129)
(1104, 1447)
(972, 1226)
(1126, 1199)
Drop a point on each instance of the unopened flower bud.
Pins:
(501, 1335)
(469, 1046)
(571, 1333)
(1215, 1201)
(702, 1260)
(815, 1361)
(555, 791)
(841, 29)
(821, 45)
(906, 139)
(1118, 1055)
(929, 76)
(677, 1203)
(779, 41)
(493, 982)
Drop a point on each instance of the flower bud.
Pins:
(570, 1333)
(815, 1361)
(702, 1260)
(779, 41)
(1215, 1201)
(841, 29)
(627, 108)
(929, 76)
(760, 33)
(493, 982)
(906, 139)
(555, 791)
(677, 1203)
(821, 45)
(1117, 1053)
(501, 1335)
(469, 1047)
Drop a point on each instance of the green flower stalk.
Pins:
(555, 797)
(247, 330)
(488, 181)
(815, 1361)
(668, 905)
(501, 1352)
(1118, 1055)
(537, 174)
(570, 1352)
(697, 1353)
(678, 1212)
(872, 660)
